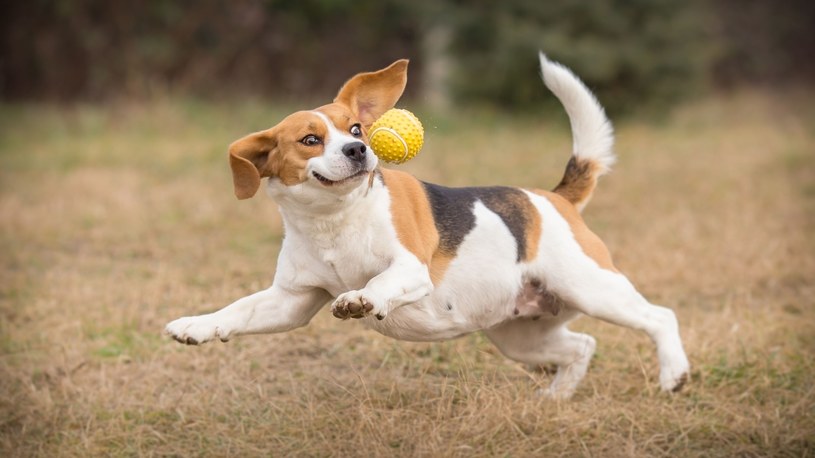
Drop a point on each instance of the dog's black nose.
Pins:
(355, 151)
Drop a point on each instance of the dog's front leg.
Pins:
(276, 309)
(405, 281)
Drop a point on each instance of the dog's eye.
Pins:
(356, 130)
(310, 140)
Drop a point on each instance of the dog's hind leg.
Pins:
(609, 296)
(576, 268)
(547, 341)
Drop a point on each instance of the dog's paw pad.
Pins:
(352, 305)
(672, 380)
(680, 383)
(340, 310)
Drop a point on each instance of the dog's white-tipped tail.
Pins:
(592, 133)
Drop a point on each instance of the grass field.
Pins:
(115, 220)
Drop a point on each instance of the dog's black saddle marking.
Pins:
(453, 212)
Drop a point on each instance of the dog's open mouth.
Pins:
(328, 182)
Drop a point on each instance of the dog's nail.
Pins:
(191, 341)
(683, 379)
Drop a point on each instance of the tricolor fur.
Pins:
(419, 261)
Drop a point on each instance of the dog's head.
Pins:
(324, 150)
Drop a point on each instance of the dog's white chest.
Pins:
(343, 255)
(345, 269)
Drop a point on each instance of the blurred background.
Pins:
(117, 215)
(463, 52)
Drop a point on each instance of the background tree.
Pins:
(477, 51)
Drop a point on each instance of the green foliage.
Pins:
(630, 52)
(633, 53)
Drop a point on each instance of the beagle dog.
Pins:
(423, 262)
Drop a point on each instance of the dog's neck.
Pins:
(310, 212)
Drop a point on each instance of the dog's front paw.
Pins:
(355, 304)
(195, 330)
(674, 376)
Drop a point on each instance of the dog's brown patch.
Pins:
(413, 221)
(534, 227)
(411, 214)
(342, 117)
(438, 266)
(579, 181)
(588, 240)
(278, 152)
(288, 161)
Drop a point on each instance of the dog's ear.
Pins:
(369, 95)
(248, 158)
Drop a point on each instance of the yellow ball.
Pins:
(397, 136)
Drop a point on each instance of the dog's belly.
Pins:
(425, 321)
(436, 318)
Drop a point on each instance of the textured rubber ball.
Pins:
(397, 136)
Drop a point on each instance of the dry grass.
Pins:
(116, 220)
